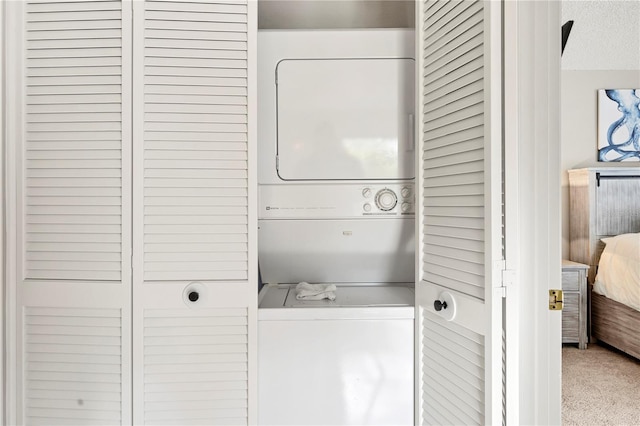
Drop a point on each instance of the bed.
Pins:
(605, 226)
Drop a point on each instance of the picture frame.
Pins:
(618, 125)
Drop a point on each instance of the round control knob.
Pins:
(405, 192)
(367, 207)
(405, 207)
(366, 193)
(386, 199)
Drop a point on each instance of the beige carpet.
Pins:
(600, 386)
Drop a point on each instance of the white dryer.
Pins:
(336, 205)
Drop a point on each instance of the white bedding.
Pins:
(618, 275)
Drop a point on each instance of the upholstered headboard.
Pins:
(603, 202)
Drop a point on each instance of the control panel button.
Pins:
(386, 199)
(405, 207)
(366, 193)
(366, 207)
(405, 192)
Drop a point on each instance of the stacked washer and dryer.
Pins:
(336, 150)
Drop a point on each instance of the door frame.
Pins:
(532, 210)
(3, 288)
(12, 42)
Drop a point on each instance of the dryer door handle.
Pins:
(411, 143)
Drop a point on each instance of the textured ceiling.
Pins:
(605, 35)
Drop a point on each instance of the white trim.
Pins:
(512, 234)
(13, 133)
(16, 160)
(3, 282)
(553, 333)
(127, 212)
(419, 196)
(252, 209)
(532, 118)
(137, 161)
(493, 211)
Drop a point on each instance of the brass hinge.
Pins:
(555, 300)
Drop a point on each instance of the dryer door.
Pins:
(341, 119)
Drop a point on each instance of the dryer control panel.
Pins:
(304, 201)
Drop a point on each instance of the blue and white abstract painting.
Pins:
(619, 125)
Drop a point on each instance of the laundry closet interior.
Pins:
(176, 168)
(336, 198)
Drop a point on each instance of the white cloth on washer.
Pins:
(306, 291)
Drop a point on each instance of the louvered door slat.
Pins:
(210, 7)
(454, 105)
(207, 27)
(210, 16)
(218, 36)
(72, 366)
(46, 25)
(463, 359)
(196, 365)
(75, 15)
(57, 45)
(203, 81)
(39, 6)
(472, 27)
(459, 389)
(73, 122)
(453, 15)
(436, 103)
(89, 34)
(185, 148)
(440, 12)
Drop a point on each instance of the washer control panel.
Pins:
(386, 200)
(394, 199)
(336, 200)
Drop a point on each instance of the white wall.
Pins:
(603, 52)
(3, 420)
(325, 14)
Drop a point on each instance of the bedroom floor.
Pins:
(600, 386)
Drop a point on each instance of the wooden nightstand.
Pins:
(574, 309)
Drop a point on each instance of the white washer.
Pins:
(346, 362)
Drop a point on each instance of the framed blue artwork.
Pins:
(619, 125)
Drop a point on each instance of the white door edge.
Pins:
(11, 130)
(3, 286)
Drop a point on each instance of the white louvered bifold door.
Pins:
(459, 371)
(194, 225)
(70, 178)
